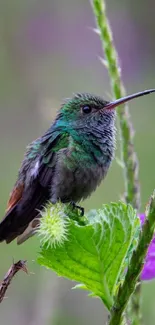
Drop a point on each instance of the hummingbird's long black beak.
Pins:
(125, 99)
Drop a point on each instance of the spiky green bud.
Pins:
(53, 225)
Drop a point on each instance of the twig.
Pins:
(15, 267)
(136, 265)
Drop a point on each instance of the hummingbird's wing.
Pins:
(26, 199)
(15, 196)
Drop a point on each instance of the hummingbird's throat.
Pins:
(123, 100)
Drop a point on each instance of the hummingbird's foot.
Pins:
(78, 207)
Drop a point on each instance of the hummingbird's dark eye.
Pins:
(86, 109)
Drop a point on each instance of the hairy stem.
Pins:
(136, 265)
(128, 155)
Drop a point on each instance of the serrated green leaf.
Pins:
(94, 254)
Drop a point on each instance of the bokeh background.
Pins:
(47, 52)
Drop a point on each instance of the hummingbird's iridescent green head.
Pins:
(85, 109)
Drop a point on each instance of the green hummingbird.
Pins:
(67, 163)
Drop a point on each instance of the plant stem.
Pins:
(128, 155)
(129, 158)
(136, 265)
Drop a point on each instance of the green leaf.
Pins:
(94, 254)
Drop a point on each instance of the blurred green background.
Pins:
(47, 52)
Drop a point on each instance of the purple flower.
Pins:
(148, 272)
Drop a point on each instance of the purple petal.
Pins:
(142, 218)
(148, 272)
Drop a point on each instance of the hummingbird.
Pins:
(66, 164)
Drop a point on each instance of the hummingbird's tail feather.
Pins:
(7, 232)
(5, 225)
(18, 218)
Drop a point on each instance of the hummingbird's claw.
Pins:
(78, 207)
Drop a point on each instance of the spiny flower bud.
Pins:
(53, 227)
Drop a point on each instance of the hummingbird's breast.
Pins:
(82, 166)
(77, 175)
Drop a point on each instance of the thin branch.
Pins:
(15, 267)
(136, 265)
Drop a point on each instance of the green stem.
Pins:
(128, 155)
(126, 130)
(136, 265)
